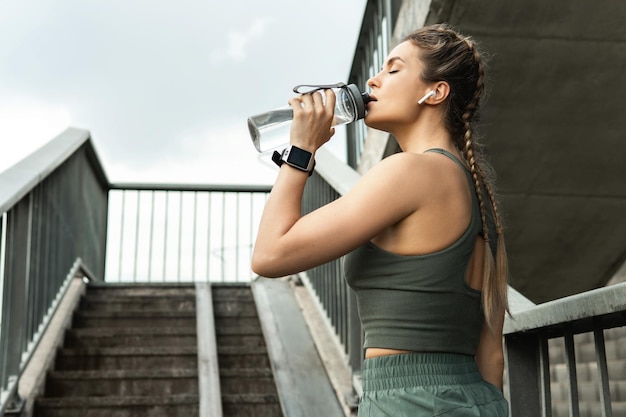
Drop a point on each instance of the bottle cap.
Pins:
(360, 100)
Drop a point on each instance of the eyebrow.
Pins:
(392, 59)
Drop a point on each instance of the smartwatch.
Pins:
(295, 157)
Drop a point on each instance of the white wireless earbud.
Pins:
(423, 99)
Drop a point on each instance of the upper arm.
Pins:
(385, 195)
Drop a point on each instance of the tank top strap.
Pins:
(468, 174)
(449, 155)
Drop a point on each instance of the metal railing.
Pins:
(535, 328)
(330, 180)
(53, 208)
(182, 232)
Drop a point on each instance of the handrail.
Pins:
(53, 207)
(21, 178)
(599, 302)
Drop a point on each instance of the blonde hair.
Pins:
(451, 57)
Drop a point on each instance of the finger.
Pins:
(318, 99)
(330, 98)
(295, 102)
(307, 100)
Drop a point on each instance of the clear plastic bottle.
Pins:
(349, 107)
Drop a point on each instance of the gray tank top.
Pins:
(419, 302)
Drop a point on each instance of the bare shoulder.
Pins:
(401, 180)
(410, 169)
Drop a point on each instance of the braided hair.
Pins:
(451, 57)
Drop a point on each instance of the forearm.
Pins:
(491, 368)
(282, 210)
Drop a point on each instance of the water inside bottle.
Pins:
(269, 136)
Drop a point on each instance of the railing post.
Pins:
(524, 375)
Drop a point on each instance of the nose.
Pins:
(372, 82)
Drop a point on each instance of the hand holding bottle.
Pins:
(349, 105)
(313, 115)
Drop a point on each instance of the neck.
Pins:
(425, 133)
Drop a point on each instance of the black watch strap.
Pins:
(295, 157)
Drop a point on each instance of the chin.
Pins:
(373, 123)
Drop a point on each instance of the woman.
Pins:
(421, 231)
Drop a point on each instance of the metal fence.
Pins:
(178, 232)
(330, 180)
(536, 330)
(53, 209)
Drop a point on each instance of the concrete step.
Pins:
(85, 359)
(164, 303)
(112, 290)
(589, 371)
(234, 308)
(587, 409)
(131, 337)
(122, 383)
(97, 319)
(247, 380)
(251, 405)
(127, 406)
(230, 357)
(585, 350)
(588, 391)
(237, 326)
(249, 340)
(237, 292)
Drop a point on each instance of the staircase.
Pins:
(132, 351)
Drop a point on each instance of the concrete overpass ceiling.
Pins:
(555, 127)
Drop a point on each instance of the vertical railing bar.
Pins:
(30, 331)
(544, 375)
(237, 237)
(251, 233)
(3, 351)
(223, 242)
(151, 236)
(36, 259)
(603, 374)
(208, 240)
(137, 235)
(570, 356)
(180, 232)
(3, 239)
(193, 244)
(167, 215)
(119, 274)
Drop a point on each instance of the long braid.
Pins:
(494, 295)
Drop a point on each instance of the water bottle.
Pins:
(349, 107)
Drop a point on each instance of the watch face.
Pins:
(299, 157)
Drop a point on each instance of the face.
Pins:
(396, 89)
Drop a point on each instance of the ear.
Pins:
(441, 92)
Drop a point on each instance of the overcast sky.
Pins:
(165, 87)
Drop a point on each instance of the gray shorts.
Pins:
(428, 384)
